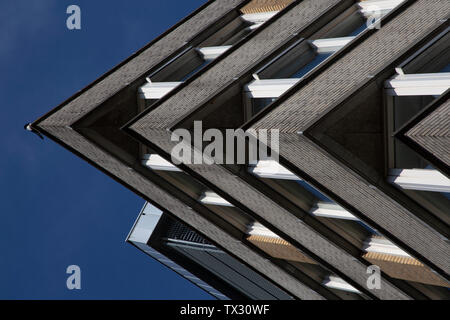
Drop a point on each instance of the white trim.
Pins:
(211, 53)
(331, 45)
(331, 210)
(269, 88)
(371, 6)
(419, 179)
(418, 84)
(156, 90)
(257, 229)
(382, 245)
(334, 282)
(156, 162)
(271, 169)
(258, 18)
(213, 198)
(145, 224)
(254, 26)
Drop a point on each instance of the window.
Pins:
(195, 58)
(294, 63)
(252, 231)
(419, 80)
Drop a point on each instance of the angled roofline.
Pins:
(294, 286)
(136, 135)
(117, 67)
(389, 17)
(92, 162)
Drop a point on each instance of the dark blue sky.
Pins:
(56, 210)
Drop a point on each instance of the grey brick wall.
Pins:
(433, 133)
(183, 212)
(153, 127)
(320, 95)
(209, 83)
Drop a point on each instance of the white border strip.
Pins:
(258, 18)
(431, 84)
(156, 162)
(213, 198)
(272, 169)
(371, 6)
(332, 210)
(381, 245)
(156, 90)
(211, 53)
(331, 45)
(257, 229)
(269, 88)
(419, 179)
(334, 282)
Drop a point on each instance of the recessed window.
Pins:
(305, 55)
(194, 58)
(419, 80)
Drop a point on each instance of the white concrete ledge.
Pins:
(269, 88)
(258, 18)
(156, 162)
(368, 7)
(382, 245)
(156, 90)
(425, 84)
(213, 198)
(257, 229)
(334, 282)
(419, 179)
(333, 211)
(272, 169)
(211, 53)
(331, 45)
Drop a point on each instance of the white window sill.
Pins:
(431, 84)
(156, 90)
(419, 179)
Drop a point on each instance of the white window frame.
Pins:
(271, 169)
(259, 17)
(419, 180)
(211, 53)
(424, 84)
(331, 45)
(213, 198)
(156, 90)
(368, 7)
(269, 88)
(257, 229)
(334, 282)
(156, 162)
(331, 210)
(383, 245)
